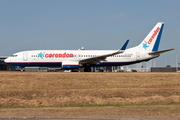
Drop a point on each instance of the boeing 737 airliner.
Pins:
(73, 59)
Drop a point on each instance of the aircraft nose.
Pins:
(7, 60)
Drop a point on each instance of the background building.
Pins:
(4, 66)
(165, 69)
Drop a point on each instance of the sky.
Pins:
(93, 24)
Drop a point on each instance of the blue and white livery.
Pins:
(73, 59)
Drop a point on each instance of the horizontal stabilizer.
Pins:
(159, 52)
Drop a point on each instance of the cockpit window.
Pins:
(13, 56)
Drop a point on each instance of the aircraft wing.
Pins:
(103, 57)
(159, 52)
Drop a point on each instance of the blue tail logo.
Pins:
(145, 45)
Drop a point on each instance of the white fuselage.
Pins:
(56, 57)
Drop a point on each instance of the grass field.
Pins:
(147, 95)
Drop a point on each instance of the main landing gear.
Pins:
(87, 69)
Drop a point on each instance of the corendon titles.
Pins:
(59, 55)
(154, 34)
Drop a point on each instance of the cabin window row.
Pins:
(52, 56)
(70, 56)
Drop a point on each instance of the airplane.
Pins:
(75, 59)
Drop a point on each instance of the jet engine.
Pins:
(70, 65)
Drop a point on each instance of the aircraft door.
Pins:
(25, 56)
(137, 56)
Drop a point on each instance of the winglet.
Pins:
(124, 46)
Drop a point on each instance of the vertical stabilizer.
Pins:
(152, 40)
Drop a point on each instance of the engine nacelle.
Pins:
(70, 65)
